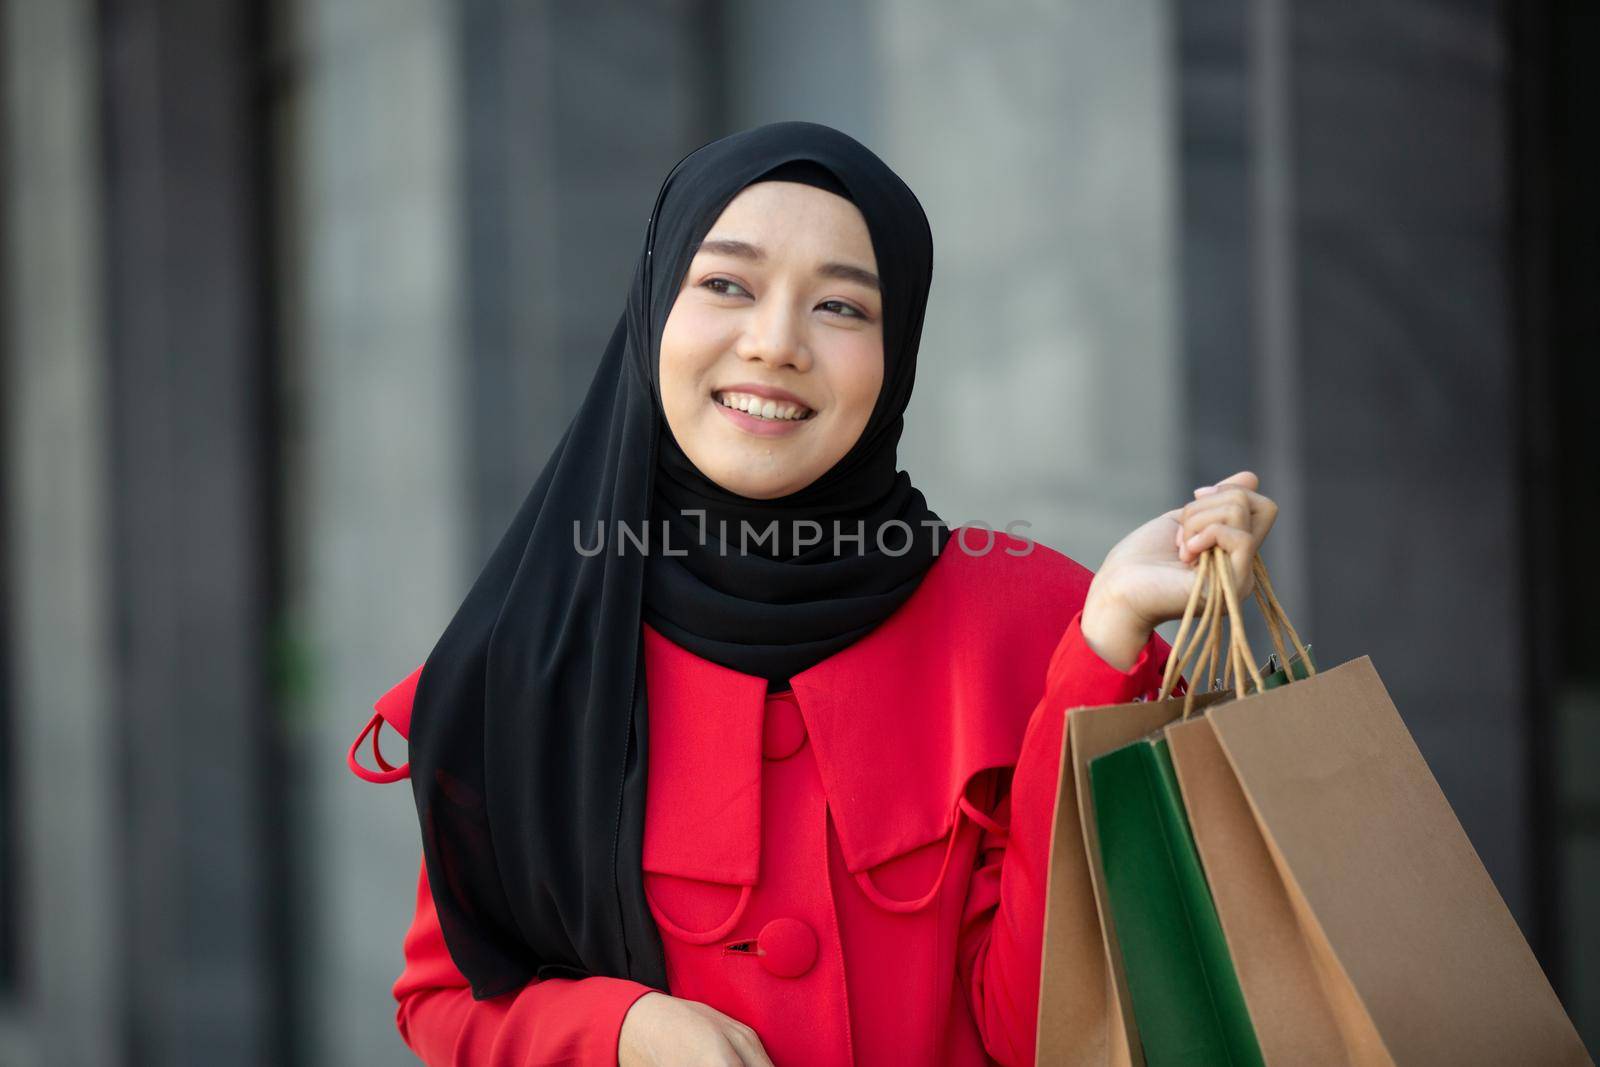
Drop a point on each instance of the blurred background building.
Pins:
(297, 297)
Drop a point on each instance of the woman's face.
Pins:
(772, 355)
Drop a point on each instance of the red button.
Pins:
(787, 947)
(784, 730)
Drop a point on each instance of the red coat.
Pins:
(799, 854)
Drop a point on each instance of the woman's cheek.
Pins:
(686, 354)
(860, 374)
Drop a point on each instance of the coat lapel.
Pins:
(905, 717)
(899, 722)
(704, 780)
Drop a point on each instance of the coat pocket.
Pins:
(695, 910)
(702, 849)
(913, 879)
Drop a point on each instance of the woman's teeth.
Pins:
(763, 408)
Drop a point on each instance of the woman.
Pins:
(734, 752)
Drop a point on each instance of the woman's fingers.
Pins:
(1249, 498)
(1257, 522)
(1231, 514)
(751, 1051)
(1227, 513)
(1191, 527)
(748, 1044)
(1243, 508)
(1244, 480)
(1240, 545)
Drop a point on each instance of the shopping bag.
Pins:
(1303, 1012)
(1394, 898)
(1362, 925)
(1185, 997)
(1085, 1012)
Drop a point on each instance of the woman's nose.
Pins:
(773, 336)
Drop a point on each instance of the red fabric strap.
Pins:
(389, 773)
(394, 708)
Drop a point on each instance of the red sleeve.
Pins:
(1002, 933)
(574, 1022)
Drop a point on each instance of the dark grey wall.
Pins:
(1347, 228)
(568, 114)
(1557, 168)
(1410, 387)
(183, 264)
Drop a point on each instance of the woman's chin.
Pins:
(762, 489)
(755, 484)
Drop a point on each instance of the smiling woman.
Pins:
(772, 358)
(780, 802)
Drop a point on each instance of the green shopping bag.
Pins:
(1186, 1000)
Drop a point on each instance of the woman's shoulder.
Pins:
(997, 558)
(1000, 584)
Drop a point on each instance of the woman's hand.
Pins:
(1147, 577)
(666, 1031)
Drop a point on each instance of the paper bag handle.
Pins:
(1186, 645)
(1213, 568)
(1274, 614)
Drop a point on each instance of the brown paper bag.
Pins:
(1401, 920)
(1363, 926)
(1302, 1009)
(1085, 1016)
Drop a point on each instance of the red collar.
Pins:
(899, 721)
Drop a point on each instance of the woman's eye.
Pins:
(713, 283)
(728, 287)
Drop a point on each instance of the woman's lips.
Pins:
(759, 426)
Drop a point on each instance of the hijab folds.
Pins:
(528, 740)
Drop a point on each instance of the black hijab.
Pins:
(528, 739)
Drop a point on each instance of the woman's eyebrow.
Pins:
(727, 246)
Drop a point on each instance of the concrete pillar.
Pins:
(66, 1006)
(189, 494)
(1043, 149)
(376, 470)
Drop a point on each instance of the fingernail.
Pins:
(1204, 490)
